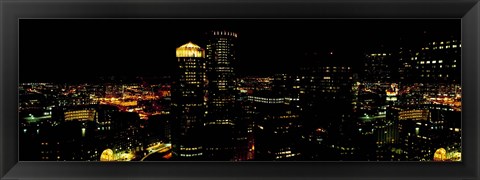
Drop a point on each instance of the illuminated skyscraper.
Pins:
(220, 55)
(438, 62)
(188, 102)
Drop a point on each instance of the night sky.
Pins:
(85, 49)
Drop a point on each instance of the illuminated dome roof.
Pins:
(107, 155)
(190, 50)
(440, 155)
(189, 45)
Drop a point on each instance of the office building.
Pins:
(189, 102)
(220, 123)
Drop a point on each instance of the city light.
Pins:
(378, 101)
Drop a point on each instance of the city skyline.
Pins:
(99, 44)
(365, 94)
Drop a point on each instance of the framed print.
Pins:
(388, 91)
(239, 89)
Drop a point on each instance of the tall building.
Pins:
(189, 102)
(378, 67)
(326, 98)
(436, 62)
(126, 133)
(220, 122)
(287, 85)
(326, 93)
(244, 128)
(405, 68)
(277, 127)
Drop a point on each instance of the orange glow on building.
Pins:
(393, 91)
(168, 156)
(165, 93)
(448, 101)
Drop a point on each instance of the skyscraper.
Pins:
(189, 102)
(326, 101)
(277, 127)
(378, 67)
(220, 125)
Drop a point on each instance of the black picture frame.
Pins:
(12, 10)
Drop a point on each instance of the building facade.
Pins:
(221, 114)
(189, 102)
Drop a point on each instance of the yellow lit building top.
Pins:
(190, 50)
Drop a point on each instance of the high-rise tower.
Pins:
(220, 125)
(189, 102)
